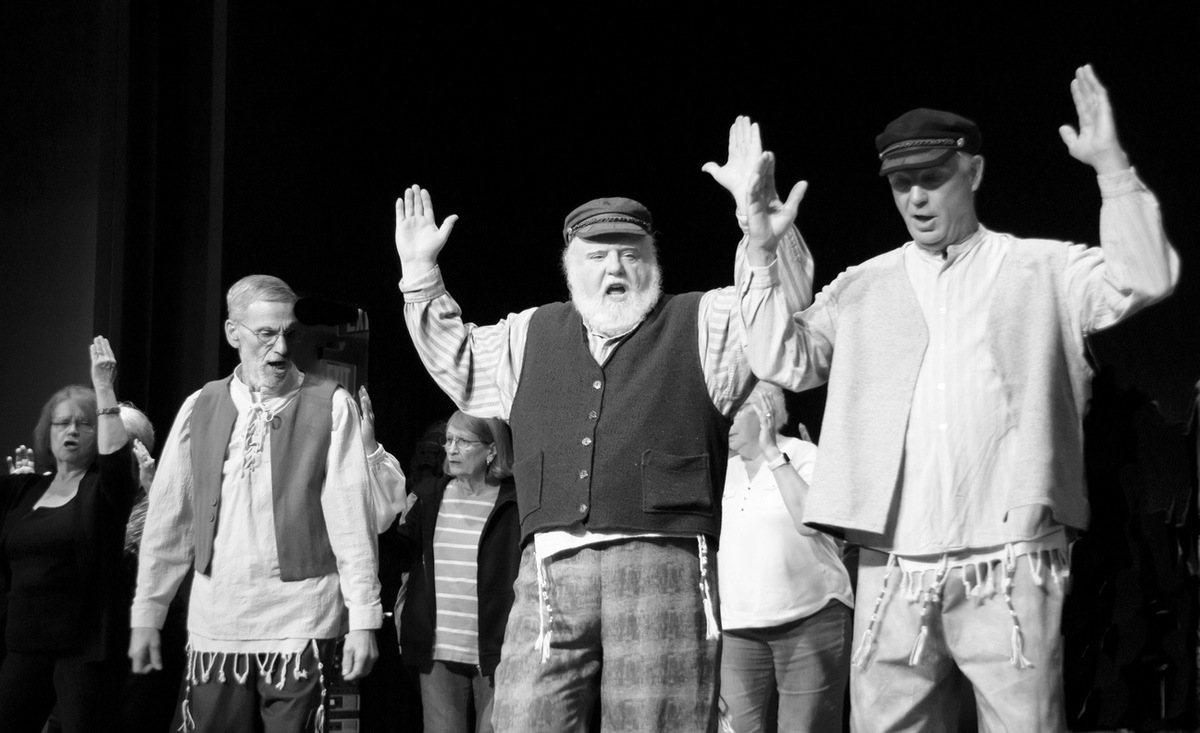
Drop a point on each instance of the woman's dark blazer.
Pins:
(101, 511)
(499, 557)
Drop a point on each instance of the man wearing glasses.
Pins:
(262, 487)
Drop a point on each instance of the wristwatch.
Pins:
(782, 460)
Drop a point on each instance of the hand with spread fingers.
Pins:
(768, 217)
(21, 461)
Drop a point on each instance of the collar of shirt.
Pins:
(950, 255)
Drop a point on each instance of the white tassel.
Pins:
(242, 676)
(187, 722)
(299, 672)
(859, 659)
(712, 631)
(545, 613)
(1035, 568)
(207, 667)
(967, 589)
(918, 650)
(1018, 649)
(319, 719)
(283, 665)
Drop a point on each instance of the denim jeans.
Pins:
(448, 690)
(806, 661)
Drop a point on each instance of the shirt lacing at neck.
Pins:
(261, 418)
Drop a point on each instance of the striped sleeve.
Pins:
(478, 367)
(743, 326)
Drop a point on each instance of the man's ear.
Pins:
(976, 172)
(232, 335)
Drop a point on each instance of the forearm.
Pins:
(110, 428)
(167, 547)
(350, 518)
(1135, 264)
(387, 488)
(1140, 258)
(477, 367)
(794, 491)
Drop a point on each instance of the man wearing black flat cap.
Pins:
(620, 403)
(952, 446)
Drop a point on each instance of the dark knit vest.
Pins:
(299, 452)
(634, 446)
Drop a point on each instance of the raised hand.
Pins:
(1095, 142)
(145, 463)
(745, 147)
(21, 461)
(418, 237)
(768, 216)
(368, 421)
(104, 364)
(766, 425)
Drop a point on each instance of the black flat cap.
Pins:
(608, 216)
(923, 138)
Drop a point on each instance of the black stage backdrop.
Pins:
(152, 154)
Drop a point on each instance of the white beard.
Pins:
(610, 317)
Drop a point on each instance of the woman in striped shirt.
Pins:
(461, 548)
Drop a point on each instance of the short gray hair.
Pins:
(137, 424)
(253, 289)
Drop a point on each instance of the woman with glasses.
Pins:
(64, 609)
(461, 548)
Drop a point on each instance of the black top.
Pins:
(96, 536)
(44, 587)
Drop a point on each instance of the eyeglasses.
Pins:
(82, 424)
(268, 336)
(463, 443)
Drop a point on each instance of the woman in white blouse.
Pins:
(785, 594)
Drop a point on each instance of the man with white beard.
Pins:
(620, 404)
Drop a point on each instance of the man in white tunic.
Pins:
(952, 446)
(263, 488)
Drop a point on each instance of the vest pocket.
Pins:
(527, 473)
(676, 484)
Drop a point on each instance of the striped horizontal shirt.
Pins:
(460, 523)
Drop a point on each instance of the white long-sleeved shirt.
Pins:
(243, 605)
(960, 447)
(479, 367)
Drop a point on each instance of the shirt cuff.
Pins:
(1120, 183)
(147, 616)
(366, 617)
(423, 287)
(764, 277)
(376, 456)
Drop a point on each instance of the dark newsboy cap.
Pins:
(923, 138)
(608, 216)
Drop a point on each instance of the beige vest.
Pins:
(879, 343)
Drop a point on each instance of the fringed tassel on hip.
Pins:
(319, 718)
(545, 611)
(859, 659)
(929, 598)
(712, 628)
(1018, 639)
